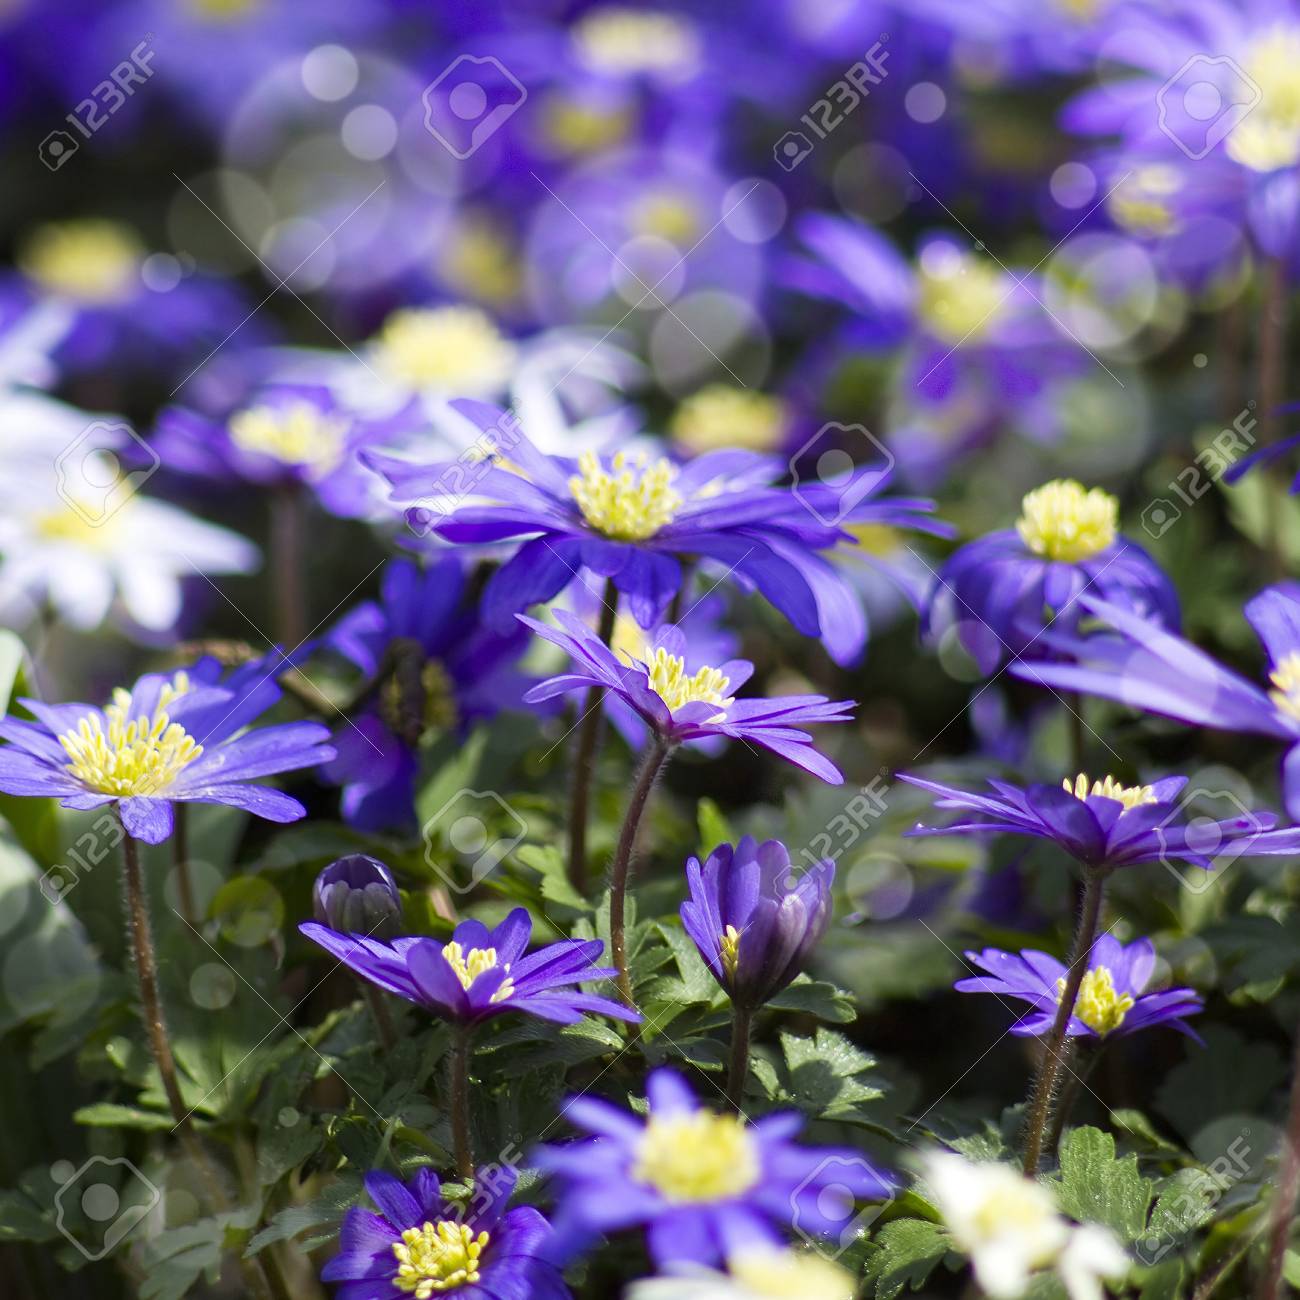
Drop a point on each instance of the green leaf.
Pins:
(1231, 1076)
(822, 1075)
(1140, 1128)
(907, 1252)
(1095, 1187)
(713, 826)
(105, 1114)
(816, 998)
(324, 1211)
(549, 863)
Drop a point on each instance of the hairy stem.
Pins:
(460, 1133)
(1269, 379)
(380, 1014)
(1044, 1087)
(1288, 1184)
(181, 859)
(741, 1023)
(587, 745)
(287, 567)
(651, 765)
(1079, 1066)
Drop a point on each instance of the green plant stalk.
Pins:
(742, 1019)
(1288, 1185)
(656, 755)
(1044, 1086)
(462, 1142)
(590, 726)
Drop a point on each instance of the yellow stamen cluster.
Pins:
(223, 10)
(1140, 202)
(669, 680)
(570, 127)
(92, 261)
(729, 947)
(620, 40)
(1286, 678)
(479, 260)
(1268, 137)
(696, 1157)
(960, 297)
(444, 347)
(632, 502)
(437, 1257)
(296, 434)
(787, 1275)
(670, 217)
(1131, 796)
(468, 966)
(722, 416)
(1064, 521)
(1098, 1005)
(139, 756)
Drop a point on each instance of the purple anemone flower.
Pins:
(1000, 592)
(170, 739)
(1112, 998)
(1146, 667)
(430, 665)
(358, 895)
(636, 519)
(681, 708)
(1104, 824)
(481, 973)
(284, 435)
(704, 1184)
(752, 920)
(420, 1245)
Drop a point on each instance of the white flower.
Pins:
(1011, 1228)
(1092, 1253)
(86, 542)
(27, 341)
(762, 1274)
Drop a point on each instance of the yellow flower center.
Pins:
(137, 757)
(92, 261)
(722, 416)
(479, 260)
(1098, 1005)
(1131, 796)
(960, 296)
(437, 1257)
(670, 217)
(444, 347)
(1268, 136)
(633, 502)
(1063, 521)
(574, 128)
(78, 529)
(697, 1157)
(622, 41)
(729, 944)
(786, 1275)
(668, 678)
(468, 966)
(1286, 677)
(296, 434)
(223, 10)
(1139, 202)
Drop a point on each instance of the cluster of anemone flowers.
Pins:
(581, 575)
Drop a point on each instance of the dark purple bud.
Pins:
(754, 920)
(357, 895)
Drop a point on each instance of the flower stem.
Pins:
(181, 859)
(1269, 380)
(651, 765)
(1040, 1097)
(379, 1012)
(287, 567)
(741, 1022)
(584, 758)
(460, 1132)
(1079, 1064)
(1288, 1184)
